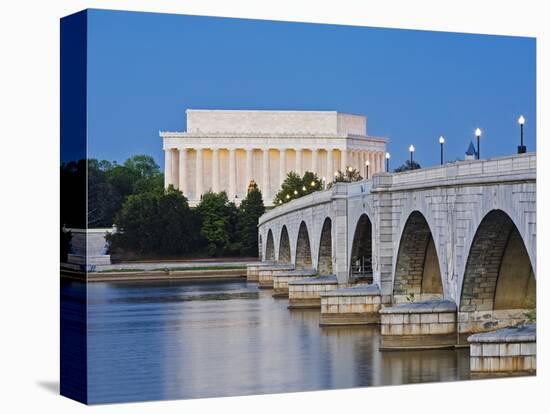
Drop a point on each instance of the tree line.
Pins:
(153, 221)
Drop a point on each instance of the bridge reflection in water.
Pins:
(151, 341)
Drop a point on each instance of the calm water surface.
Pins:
(171, 340)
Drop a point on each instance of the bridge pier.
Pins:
(282, 278)
(265, 278)
(356, 305)
(419, 325)
(306, 293)
(504, 351)
(253, 270)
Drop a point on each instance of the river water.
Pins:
(169, 340)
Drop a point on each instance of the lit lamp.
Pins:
(324, 181)
(522, 149)
(350, 168)
(304, 188)
(387, 162)
(367, 163)
(478, 134)
(441, 142)
(411, 151)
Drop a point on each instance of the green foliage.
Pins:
(531, 306)
(294, 186)
(219, 217)
(350, 175)
(109, 184)
(410, 297)
(408, 166)
(156, 222)
(250, 210)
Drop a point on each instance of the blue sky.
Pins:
(145, 70)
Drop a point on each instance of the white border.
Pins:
(29, 159)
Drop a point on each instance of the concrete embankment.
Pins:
(211, 273)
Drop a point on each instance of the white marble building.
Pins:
(223, 150)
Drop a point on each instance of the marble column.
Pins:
(216, 170)
(315, 161)
(167, 167)
(299, 162)
(199, 172)
(344, 160)
(282, 165)
(265, 175)
(175, 169)
(183, 171)
(330, 165)
(249, 167)
(232, 174)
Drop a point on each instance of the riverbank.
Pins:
(144, 271)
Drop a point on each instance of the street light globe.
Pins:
(387, 155)
(304, 188)
(336, 173)
(350, 169)
(411, 148)
(367, 163)
(312, 184)
(287, 196)
(441, 139)
(478, 132)
(295, 192)
(324, 178)
(521, 120)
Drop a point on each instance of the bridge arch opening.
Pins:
(361, 250)
(417, 273)
(303, 249)
(324, 264)
(498, 288)
(284, 247)
(269, 247)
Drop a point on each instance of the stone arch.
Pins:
(498, 275)
(324, 262)
(361, 249)
(303, 248)
(269, 246)
(284, 246)
(417, 270)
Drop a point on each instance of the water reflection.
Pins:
(188, 340)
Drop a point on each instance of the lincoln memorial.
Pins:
(223, 150)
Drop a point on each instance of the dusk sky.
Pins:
(145, 70)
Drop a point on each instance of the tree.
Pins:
(408, 166)
(156, 223)
(294, 186)
(349, 175)
(250, 210)
(218, 219)
(104, 200)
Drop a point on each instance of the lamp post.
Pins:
(411, 151)
(441, 142)
(324, 181)
(522, 149)
(478, 135)
(387, 162)
(367, 163)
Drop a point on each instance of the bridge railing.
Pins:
(502, 168)
(509, 168)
